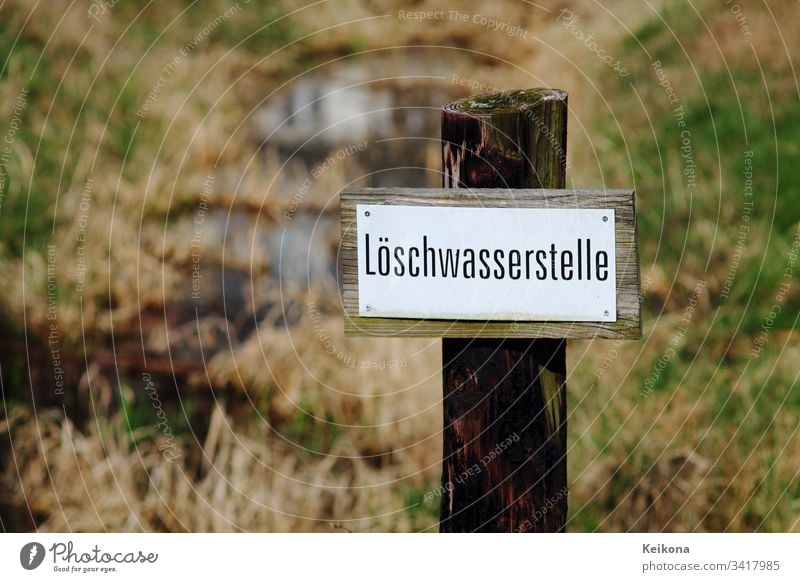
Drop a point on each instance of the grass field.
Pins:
(121, 123)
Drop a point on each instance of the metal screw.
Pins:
(366, 213)
(369, 307)
(605, 218)
(604, 313)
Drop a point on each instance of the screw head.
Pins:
(605, 313)
(366, 213)
(605, 219)
(368, 307)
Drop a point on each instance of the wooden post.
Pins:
(505, 417)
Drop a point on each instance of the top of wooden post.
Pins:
(504, 102)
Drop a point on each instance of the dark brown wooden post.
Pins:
(505, 414)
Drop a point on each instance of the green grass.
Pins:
(743, 428)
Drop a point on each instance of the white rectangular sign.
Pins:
(504, 264)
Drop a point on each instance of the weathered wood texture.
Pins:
(500, 389)
(504, 463)
(627, 326)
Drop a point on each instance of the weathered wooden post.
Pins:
(500, 388)
(505, 265)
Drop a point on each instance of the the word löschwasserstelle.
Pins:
(425, 259)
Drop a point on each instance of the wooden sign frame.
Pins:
(627, 326)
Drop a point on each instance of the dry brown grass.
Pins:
(241, 476)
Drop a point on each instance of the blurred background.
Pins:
(171, 347)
